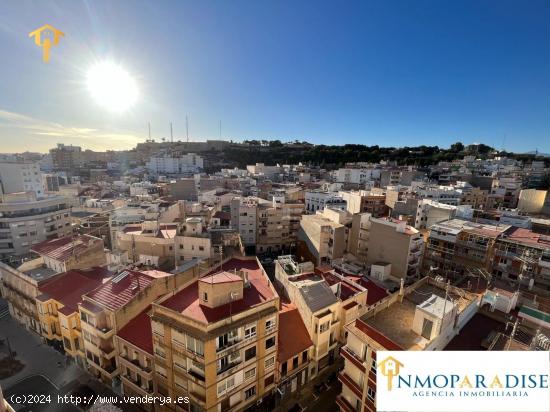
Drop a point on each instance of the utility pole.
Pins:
(187, 127)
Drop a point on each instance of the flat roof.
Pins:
(396, 321)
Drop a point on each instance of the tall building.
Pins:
(430, 212)
(26, 221)
(108, 308)
(175, 165)
(21, 177)
(244, 218)
(363, 201)
(424, 316)
(277, 226)
(322, 239)
(215, 340)
(66, 158)
(395, 243)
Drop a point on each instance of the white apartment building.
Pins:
(21, 177)
(442, 194)
(26, 221)
(430, 212)
(356, 176)
(244, 218)
(173, 165)
(317, 200)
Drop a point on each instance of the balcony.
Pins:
(103, 332)
(353, 358)
(344, 405)
(351, 384)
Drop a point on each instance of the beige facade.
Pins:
(149, 243)
(324, 239)
(222, 357)
(532, 200)
(424, 316)
(395, 242)
(477, 198)
(104, 311)
(277, 227)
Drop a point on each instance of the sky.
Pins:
(388, 73)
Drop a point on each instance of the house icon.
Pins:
(390, 367)
(42, 38)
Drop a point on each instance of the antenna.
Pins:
(187, 127)
(171, 133)
(149, 125)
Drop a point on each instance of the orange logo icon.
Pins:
(42, 38)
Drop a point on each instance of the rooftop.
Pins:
(121, 289)
(186, 301)
(293, 335)
(68, 287)
(221, 277)
(527, 237)
(454, 226)
(62, 249)
(138, 332)
(395, 322)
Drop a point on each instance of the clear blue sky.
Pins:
(386, 72)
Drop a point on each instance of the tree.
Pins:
(457, 147)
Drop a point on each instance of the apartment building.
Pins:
(293, 352)
(391, 241)
(71, 252)
(108, 308)
(476, 197)
(215, 340)
(317, 200)
(423, 316)
(442, 194)
(18, 177)
(244, 218)
(135, 358)
(325, 300)
(430, 212)
(57, 305)
(520, 255)
(193, 241)
(363, 201)
(174, 165)
(507, 190)
(277, 226)
(394, 177)
(457, 247)
(66, 158)
(26, 220)
(321, 239)
(149, 243)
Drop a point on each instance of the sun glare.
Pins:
(111, 86)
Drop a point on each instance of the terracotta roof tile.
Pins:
(138, 332)
(63, 248)
(293, 335)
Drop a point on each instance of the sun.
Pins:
(111, 86)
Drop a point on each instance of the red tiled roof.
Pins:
(374, 292)
(293, 335)
(138, 332)
(114, 296)
(69, 287)
(186, 301)
(63, 248)
(221, 277)
(527, 237)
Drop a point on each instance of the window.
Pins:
(269, 324)
(201, 248)
(304, 356)
(284, 368)
(250, 353)
(195, 345)
(270, 342)
(324, 327)
(249, 331)
(269, 380)
(160, 352)
(249, 374)
(295, 362)
(373, 366)
(205, 297)
(250, 392)
(269, 362)
(371, 394)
